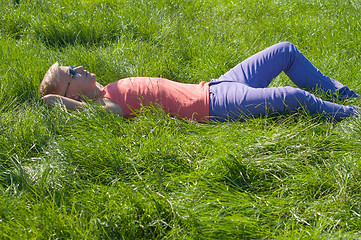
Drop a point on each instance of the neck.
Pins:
(95, 92)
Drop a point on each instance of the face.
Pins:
(75, 81)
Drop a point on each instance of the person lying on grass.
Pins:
(239, 94)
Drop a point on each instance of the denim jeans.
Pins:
(242, 92)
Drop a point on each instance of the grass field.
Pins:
(91, 175)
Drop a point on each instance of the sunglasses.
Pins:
(72, 73)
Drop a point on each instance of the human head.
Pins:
(56, 81)
(49, 83)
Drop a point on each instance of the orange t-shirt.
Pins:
(190, 101)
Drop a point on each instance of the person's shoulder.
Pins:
(111, 105)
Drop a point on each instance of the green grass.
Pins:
(92, 175)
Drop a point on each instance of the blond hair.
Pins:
(49, 83)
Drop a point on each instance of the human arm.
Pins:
(71, 104)
(110, 105)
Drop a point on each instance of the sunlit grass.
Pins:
(92, 175)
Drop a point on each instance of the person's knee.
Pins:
(288, 50)
(288, 47)
(295, 97)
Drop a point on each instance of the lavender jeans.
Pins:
(241, 93)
